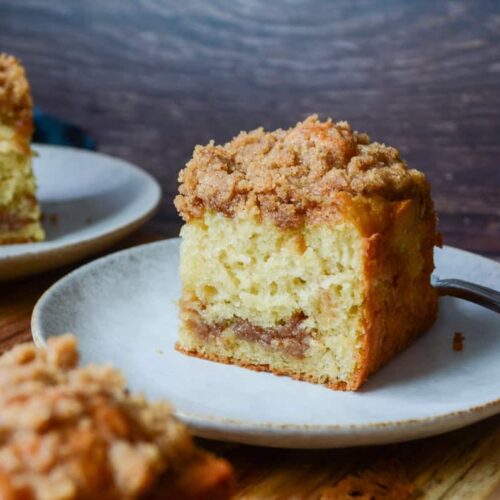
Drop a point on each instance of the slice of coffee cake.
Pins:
(19, 210)
(306, 252)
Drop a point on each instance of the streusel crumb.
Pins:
(15, 100)
(290, 174)
(68, 432)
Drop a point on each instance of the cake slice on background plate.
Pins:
(19, 210)
(77, 433)
(306, 252)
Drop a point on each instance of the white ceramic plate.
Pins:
(90, 201)
(122, 309)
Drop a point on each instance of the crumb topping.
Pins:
(458, 341)
(15, 101)
(289, 174)
(68, 432)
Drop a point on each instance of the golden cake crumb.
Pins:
(68, 432)
(458, 341)
(289, 175)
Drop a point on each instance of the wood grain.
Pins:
(152, 78)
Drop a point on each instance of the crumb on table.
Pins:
(386, 479)
(54, 219)
(458, 341)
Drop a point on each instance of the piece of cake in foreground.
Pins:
(76, 433)
(19, 209)
(306, 252)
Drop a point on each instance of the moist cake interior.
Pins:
(261, 295)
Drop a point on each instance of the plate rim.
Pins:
(299, 435)
(87, 243)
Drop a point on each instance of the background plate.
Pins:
(122, 309)
(90, 201)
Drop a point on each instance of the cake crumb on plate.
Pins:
(458, 341)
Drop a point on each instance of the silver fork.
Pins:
(482, 295)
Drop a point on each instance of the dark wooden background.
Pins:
(152, 78)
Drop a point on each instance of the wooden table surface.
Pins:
(149, 79)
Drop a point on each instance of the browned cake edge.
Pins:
(339, 385)
(18, 239)
(412, 306)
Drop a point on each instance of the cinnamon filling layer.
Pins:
(12, 222)
(289, 337)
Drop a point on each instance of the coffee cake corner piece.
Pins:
(305, 252)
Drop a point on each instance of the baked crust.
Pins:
(13, 240)
(16, 104)
(367, 364)
(338, 385)
(292, 175)
(400, 303)
(68, 432)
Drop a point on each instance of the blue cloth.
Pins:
(52, 130)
